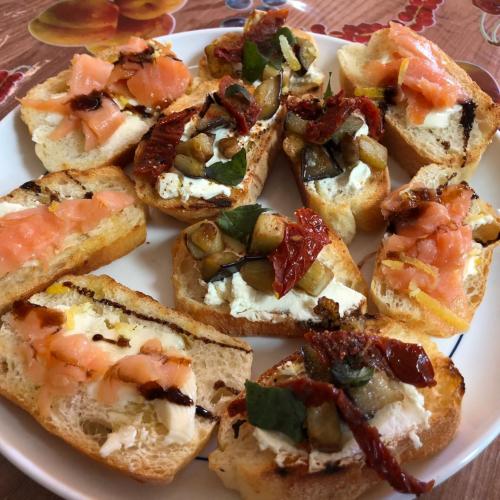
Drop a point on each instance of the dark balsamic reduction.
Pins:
(139, 109)
(47, 317)
(236, 427)
(146, 56)
(153, 390)
(204, 413)
(467, 119)
(87, 102)
(120, 342)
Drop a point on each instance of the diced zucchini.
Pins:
(269, 71)
(317, 163)
(307, 52)
(350, 150)
(233, 244)
(323, 428)
(316, 279)
(259, 274)
(350, 126)
(211, 264)
(294, 123)
(206, 237)
(200, 147)
(229, 146)
(268, 233)
(372, 153)
(268, 95)
(189, 166)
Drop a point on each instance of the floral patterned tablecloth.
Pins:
(38, 38)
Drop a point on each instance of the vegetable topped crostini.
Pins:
(254, 272)
(340, 167)
(265, 48)
(211, 149)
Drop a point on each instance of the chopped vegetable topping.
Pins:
(302, 243)
(239, 222)
(253, 62)
(231, 172)
(328, 90)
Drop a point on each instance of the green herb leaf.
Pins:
(344, 375)
(253, 62)
(239, 222)
(328, 90)
(275, 409)
(237, 90)
(231, 172)
(287, 33)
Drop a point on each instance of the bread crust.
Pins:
(199, 334)
(189, 293)
(402, 307)
(346, 213)
(242, 466)
(412, 154)
(261, 151)
(119, 234)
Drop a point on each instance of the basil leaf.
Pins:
(344, 375)
(287, 33)
(328, 90)
(231, 172)
(275, 409)
(253, 62)
(237, 90)
(240, 221)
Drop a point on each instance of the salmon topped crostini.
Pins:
(99, 109)
(265, 48)
(434, 112)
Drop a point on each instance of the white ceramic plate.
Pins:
(61, 469)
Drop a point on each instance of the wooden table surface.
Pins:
(453, 24)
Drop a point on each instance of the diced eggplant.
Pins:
(315, 367)
(378, 392)
(318, 164)
(211, 264)
(323, 428)
(270, 71)
(215, 117)
(350, 126)
(200, 147)
(259, 274)
(316, 279)
(372, 153)
(345, 375)
(268, 233)
(307, 53)
(207, 237)
(238, 91)
(268, 96)
(229, 146)
(294, 123)
(189, 166)
(233, 244)
(350, 150)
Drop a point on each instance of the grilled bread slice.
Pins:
(237, 308)
(424, 313)
(69, 151)
(149, 439)
(304, 78)
(414, 146)
(347, 194)
(263, 142)
(81, 250)
(244, 466)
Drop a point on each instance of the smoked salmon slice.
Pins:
(87, 74)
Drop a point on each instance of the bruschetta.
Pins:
(212, 149)
(65, 222)
(254, 272)
(435, 113)
(123, 379)
(265, 48)
(432, 265)
(341, 415)
(338, 163)
(96, 112)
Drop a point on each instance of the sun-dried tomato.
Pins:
(244, 111)
(230, 49)
(267, 26)
(156, 154)
(302, 243)
(377, 455)
(307, 109)
(335, 111)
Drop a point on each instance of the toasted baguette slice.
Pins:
(244, 467)
(349, 209)
(485, 224)
(112, 238)
(190, 291)
(310, 82)
(261, 148)
(84, 422)
(413, 147)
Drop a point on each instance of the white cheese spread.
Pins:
(6, 207)
(123, 438)
(440, 118)
(173, 185)
(247, 302)
(348, 182)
